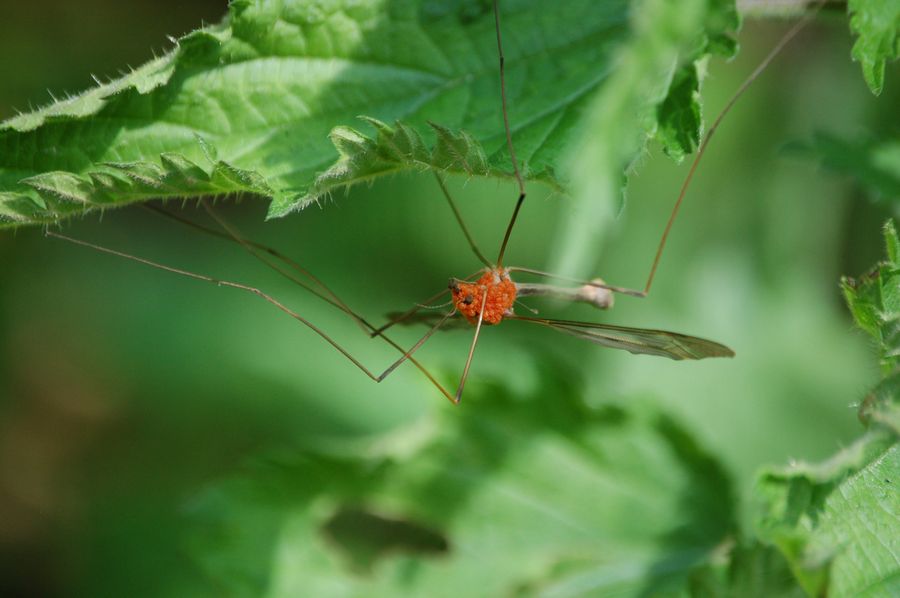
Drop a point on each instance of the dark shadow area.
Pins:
(365, 537)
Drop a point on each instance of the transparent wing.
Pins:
(637, 340)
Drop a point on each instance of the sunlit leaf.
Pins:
(268, 102)
(248, 105)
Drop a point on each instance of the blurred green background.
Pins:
(125, 391)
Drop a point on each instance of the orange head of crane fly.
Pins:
(469, 296)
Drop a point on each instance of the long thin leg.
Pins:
(231, 234)
(509, 229)
(414, 348)
(461, 222)
(329, 296)
(407, 355)
(731, 102)
(509, 143)
(465, 374)
(254, 249)
(687, 181)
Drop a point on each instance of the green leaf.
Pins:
(680, 120)
(267, 102)
(653, 91)
(876, 23)
(397, 148)
(874, 301)
(874, 163)
(838, 523)
(512, 495)
(679, 115)
(881, 407)
(247, 106)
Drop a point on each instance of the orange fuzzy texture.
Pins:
(500, 297)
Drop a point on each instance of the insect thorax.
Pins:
(498, 301)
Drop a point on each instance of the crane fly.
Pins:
(488, 296)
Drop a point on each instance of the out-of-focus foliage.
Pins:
(877, 25)
(873, 163)
(516, 494)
